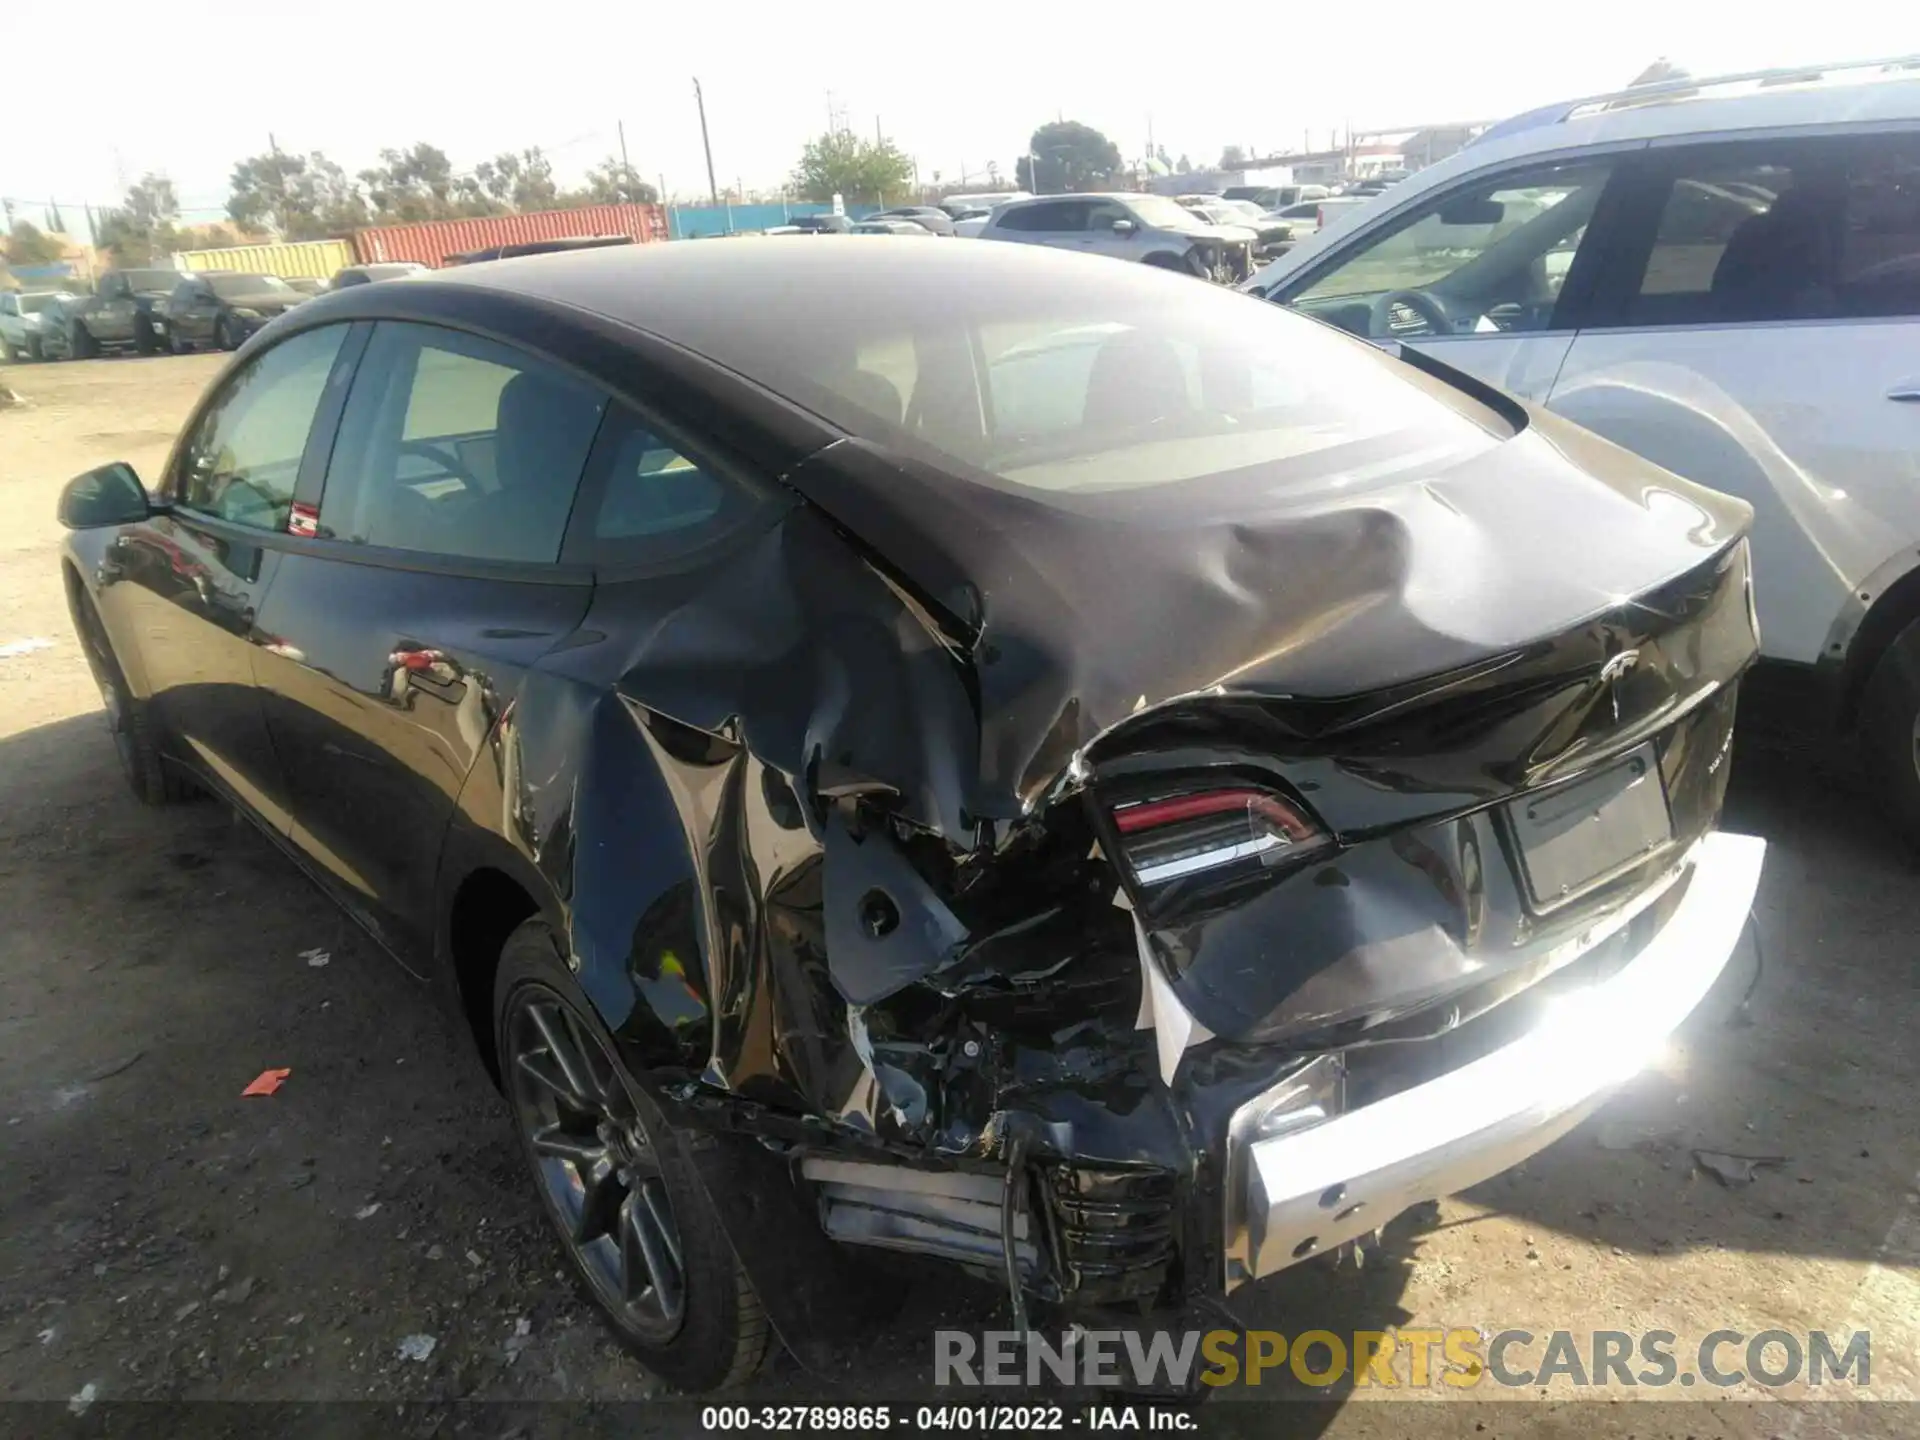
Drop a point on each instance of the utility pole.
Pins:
(713, 186)
(279, 187)
(625, 168)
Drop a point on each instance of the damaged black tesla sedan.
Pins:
(965, 750)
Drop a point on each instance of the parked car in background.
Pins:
(877, 226)
(826, 224)
(222, 308)
(1275, 197)
(1077, 775)
(307, 284)
(1723, 276)
(515, 249)
(22, 318)
(57, 326)
(1311, 215)
(371, 274)
(1151, 229)
(969, 223)
(928, 217)
(1273, 234)
(981, 200)
(119, 314)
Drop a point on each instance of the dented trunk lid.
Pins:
(1352, 582)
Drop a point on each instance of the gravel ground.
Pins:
(162, 1238)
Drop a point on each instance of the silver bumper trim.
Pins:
(1306, 1192)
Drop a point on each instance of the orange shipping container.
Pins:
(432, 242)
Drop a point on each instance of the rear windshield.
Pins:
(1138, 381)
(141, 280)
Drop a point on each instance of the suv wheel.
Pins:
(148, 775)
(7, 352)
(227, 335)
(1890, 731)
(80, 344)
(641, 1240)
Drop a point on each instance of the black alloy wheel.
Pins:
(618, 1181)
(148, 775)
(227, 334)
(596, 1164)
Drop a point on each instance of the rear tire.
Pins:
(81, 344)
(695, 1322)
(7, 352)
(1890, 732)
(226, 335)
(175, 343)
(149, 776)
(36, 352)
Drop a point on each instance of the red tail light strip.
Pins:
(1152, 814)
(1186, 834)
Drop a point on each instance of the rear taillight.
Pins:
(1170, 837)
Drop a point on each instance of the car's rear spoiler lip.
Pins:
(1491, 396)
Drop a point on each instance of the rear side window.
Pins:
(1054, 217)
(1794, 231)
(456, 446)
(243, 457)
(647, 501)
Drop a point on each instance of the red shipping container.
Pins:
(431, 242)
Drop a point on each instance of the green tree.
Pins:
(26, 245)
(521, 180)
(1065, 155)
(1233, 158)
(418, 184)
(841, 163)
(335, 204)
(613, 182)
(266, 193)
(141, 229)
(56, 222)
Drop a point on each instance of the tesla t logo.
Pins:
(1616, 667)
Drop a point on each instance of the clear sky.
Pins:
(953, 84)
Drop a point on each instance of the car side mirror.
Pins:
(1124, 227)
(110, 495)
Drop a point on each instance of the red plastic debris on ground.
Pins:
(267, 1082)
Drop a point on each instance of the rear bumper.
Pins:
(1297, 1194)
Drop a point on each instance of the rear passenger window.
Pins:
(647, 501)
(1814, 231)
(1054, 217)
(243, 457)
(457, 446)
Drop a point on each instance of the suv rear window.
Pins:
(1791, 231)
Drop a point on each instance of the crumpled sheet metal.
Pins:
(1085, 609)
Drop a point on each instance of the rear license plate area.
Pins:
(1578, 836)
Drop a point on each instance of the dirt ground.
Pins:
(162, 1238)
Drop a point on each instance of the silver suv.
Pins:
(1723, 276)
(1148, 228)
